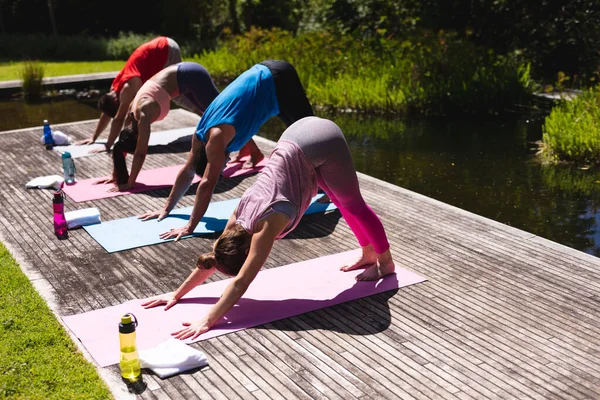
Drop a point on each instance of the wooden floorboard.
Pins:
(504, 314)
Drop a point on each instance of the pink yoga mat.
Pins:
(149, 179)
(275, 294)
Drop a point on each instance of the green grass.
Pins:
(38, 360)
(12, 70)
(571, 132)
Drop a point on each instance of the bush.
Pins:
(32, 75)
(427, 73)
(572, 130)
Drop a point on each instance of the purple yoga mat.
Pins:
(149, 179)
(275, 294)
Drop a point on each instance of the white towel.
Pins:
(60, 139)
(44, 182)
(172, 357)
(83, 217)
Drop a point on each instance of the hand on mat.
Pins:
(104, 181)
(120, 188)
(98, 150)
(160, 215)
(85, 141)
(177, 233)
(192, 329)
(169, 300)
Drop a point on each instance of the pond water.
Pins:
(486, 167)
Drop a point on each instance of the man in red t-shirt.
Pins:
(148, 59)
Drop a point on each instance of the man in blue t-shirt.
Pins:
(269, 88)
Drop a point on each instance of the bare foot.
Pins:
(235, 157)
(251, 163)
(376, 272)
(368, 257)
(324, 199)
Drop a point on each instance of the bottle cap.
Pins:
(127, 324)
(58, 197)
(66, 154)
(45, 121)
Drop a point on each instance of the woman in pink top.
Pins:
(311, 152)
(186, 83)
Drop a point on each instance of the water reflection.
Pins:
(486, 167)
(18, 114)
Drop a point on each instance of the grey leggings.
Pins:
(174, 56)
(326, 148)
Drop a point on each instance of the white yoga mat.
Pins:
(161, 138)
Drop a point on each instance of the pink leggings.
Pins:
(324, 145)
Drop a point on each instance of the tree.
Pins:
(52, 19)
(235, 23)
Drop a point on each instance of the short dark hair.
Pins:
(109, 103)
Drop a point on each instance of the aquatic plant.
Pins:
(32, 75)
(571, 132)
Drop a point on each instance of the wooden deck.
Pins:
(504, 314)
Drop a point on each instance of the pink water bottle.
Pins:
(60, 223)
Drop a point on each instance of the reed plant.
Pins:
(32, 75)
(438, 74)
(571, 132)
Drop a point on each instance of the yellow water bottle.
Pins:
(130, 362)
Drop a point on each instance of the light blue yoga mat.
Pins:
(130, 233)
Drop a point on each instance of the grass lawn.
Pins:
(38, 360)
(10, 71)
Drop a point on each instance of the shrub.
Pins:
(571, 132)
(427, 73)
(32, 75)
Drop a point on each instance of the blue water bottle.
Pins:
(48, 139)
(68, 168)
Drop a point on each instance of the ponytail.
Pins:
(207, 261)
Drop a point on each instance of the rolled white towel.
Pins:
(60, 139)
(83, 217)
(172, 357)
(44, 182)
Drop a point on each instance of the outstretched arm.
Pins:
(198, 276)
(126, 96)
(215, 155)
(182, 183)
(102, 124)
(260, 248)
(139, 155)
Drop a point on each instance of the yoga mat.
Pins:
(132, 232)
(149, 179)
(274, 294)
(156, 139)
(159, 178)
